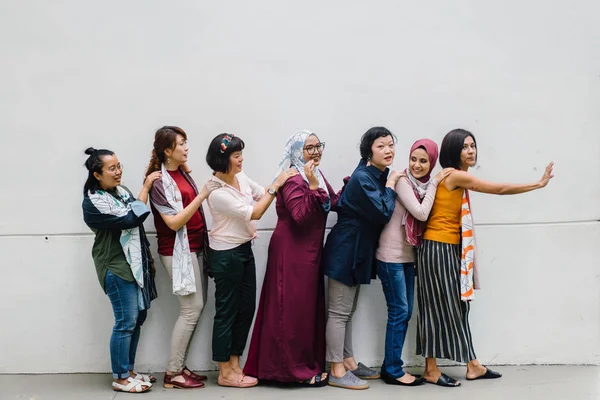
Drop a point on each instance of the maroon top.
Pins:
(288, 342)
(195, 226)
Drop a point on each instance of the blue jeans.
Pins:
(398, 282)
(128, 322)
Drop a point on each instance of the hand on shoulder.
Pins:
(443, 174)
(149, 181)
(209, 187)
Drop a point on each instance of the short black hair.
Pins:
(216, 158)
(452, 146)
(367, 139)
(94, 163)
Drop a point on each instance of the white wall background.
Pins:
(523, 76)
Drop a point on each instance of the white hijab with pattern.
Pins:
(293, 156)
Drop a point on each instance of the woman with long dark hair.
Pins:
(182, 244)
(447, 268)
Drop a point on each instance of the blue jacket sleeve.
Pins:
(97, 220)
(369, 199)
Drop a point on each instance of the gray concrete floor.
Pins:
(518, 383)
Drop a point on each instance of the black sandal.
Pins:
(317, 383)
(446, 381)
(393, 381)
(489, 374)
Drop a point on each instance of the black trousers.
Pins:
(234, 272)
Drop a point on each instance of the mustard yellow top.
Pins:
(444, 219)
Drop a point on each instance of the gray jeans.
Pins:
(190, 308)
(341, 305)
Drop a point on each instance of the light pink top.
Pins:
(231, 212)
(393, 246)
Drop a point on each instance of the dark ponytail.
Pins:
(154, 164)
(93, 164)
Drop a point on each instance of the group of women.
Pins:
(390, 224)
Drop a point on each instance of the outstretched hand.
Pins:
(547, 175)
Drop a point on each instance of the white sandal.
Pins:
(139, 386)
(144, 378)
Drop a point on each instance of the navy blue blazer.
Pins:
(363, 209)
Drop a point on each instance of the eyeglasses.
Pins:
(316, 148)
(225, 142)
(114, 168)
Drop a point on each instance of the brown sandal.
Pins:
(191, 374)
(188, 382)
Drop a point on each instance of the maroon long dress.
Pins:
(288, 341)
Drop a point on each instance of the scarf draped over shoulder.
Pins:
(121, 210)
(166, 198)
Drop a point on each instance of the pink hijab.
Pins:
(415, 228)
(432, 151)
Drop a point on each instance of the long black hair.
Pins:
(93, 164)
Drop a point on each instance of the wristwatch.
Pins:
(272, 191)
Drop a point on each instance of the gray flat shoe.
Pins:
(365, 372)
(348, 381)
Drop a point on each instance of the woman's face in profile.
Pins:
(112, 172)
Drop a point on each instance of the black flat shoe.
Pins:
(446, 381)
(489, 374)
(317, 381)
(393, 381)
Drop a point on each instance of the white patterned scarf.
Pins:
(293, 156)
(130, 238)
(166, 189)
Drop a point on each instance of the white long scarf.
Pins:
(184, 281)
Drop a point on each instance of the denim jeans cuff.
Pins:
(130, 367)
(397, 375)
(121, 376)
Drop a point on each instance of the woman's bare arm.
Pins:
(462, 179)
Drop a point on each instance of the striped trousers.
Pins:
(443, 321)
